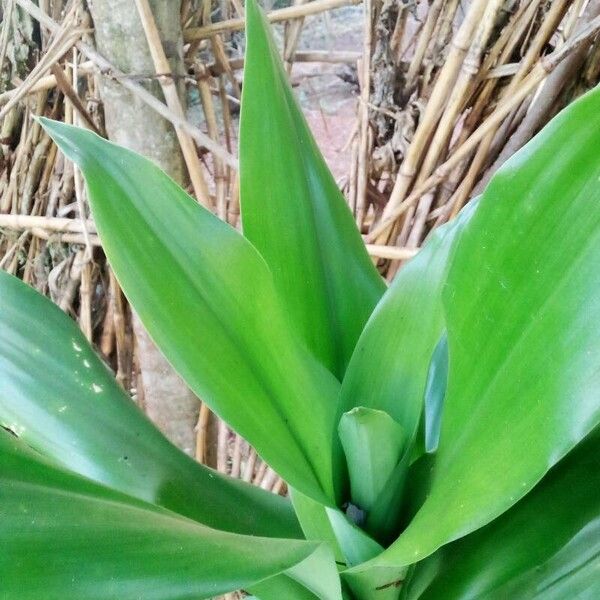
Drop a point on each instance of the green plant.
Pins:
(440, 438)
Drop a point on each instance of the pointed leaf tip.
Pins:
(70, 139)
(186, 287)
(294, 213)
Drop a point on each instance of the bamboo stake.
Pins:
(391, 252)
(249, 466)
(307, 56)
(445, 126)
(423, 41)
(236, 459)
(58, 48)
(501, 51)
(122, 340)
(213, 131)
(541, 108)
(548, 26)
(109, 70)
(440, 39)
(67, 89)
(260, 473)
(292, 36)
(52, 224)
(202, 433)
(5, 34)
(446, 78)
(542, 68)
(167, 84)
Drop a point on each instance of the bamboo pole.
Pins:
(548, 26)
(445, 80)
(460, 90)
(109, 70)
(541, 69)
(167, 83)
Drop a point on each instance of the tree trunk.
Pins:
(131, 123)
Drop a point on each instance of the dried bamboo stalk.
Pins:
(444, 83)
(542, 68)
(275, 16)
(167, 83)
(110, 70)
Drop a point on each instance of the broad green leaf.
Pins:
(389, 367)
(385, 583)
(307, 580)
(356, 545)
(207, 298)
(350, 544)
(547, 546)
(58, 396)
(279, 587)
(384, 518)
(373, 444)
(315, 522)
(294, 213)
(318, 573)
(66, 537)
(314, 577)
(522, 298)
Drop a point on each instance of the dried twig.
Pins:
(282, 14)
(110, 70)
(162, 66)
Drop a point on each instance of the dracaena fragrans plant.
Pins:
(439, 438)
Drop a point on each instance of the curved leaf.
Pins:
(207, 298)
(294, 213)
(547, 546)
(373, 444)
(522, 298)
(314, 577)
(389, 367)
(58, 396)
(356, 545)
(279, 587)
(435, 392)
(315, 522)
(64, 537)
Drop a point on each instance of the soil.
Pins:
(328, 93)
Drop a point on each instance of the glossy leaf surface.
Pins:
(547, 546)
(314, 577)
(59, 397)
(356, 545)
(389, 367)
(281, 586)
(373, 445)
(315, 522)
(435, 393)
(294, 213)
(207, 298)
(66, 537)
(522, 291)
